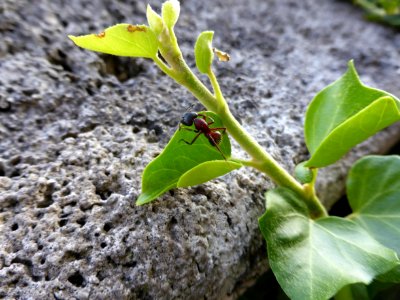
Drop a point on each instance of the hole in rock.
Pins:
(130, 264)
(2, 171)
(23, 261)
(81, 221)
(59, 58)
(63, 222)
(14, 226)
(107, 226)
(47, 197)
(73, 255)
(77, 279)
(122, 68)
(16, 160)
(15, 173)
(103, 193)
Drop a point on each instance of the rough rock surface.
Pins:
(77, 129)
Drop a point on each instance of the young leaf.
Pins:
(303, 174)
(181, 164)
(122, 40)
(170, 12)
(373, 190)
(344, 114)
(314, 259)
(203, 51)
(155, 21)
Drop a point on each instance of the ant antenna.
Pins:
(190, 107)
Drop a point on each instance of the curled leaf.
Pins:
(170, 12)
(155, 21)
(203, 51)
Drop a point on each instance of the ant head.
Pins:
(188, 118)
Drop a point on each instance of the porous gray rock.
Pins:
(77, 129)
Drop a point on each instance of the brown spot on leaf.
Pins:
(133, 28)
(101, 34)
(222, 56)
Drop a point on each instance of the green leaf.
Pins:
(203, 51)
(314, 259)
(373, 190)
(181, 164)
(170, 12)
(387, 11)
(155, 21)
(122, 40)
(207, 171)
(344, 114)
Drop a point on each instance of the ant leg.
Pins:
(205, 119)
(188, 129)
(218, 148)
(223, 129)
(195, 138)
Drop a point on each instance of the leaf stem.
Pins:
(217, 90)
(166, 69)
(309, 191)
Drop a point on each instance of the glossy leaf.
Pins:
(387, 11)
(121, 40)
(170, 12)
(314, 259)
(203, 51)
(180, 162)
(155, 21)
(373, 190)
(343, 115)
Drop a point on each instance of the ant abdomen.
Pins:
(215, 138)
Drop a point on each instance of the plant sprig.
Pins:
(298, 230)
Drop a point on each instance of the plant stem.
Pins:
(261, 160)
(186, 78)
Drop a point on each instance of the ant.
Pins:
(202, 127)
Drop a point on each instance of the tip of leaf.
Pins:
(170, 12)
(143, 199)
(72, 37)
